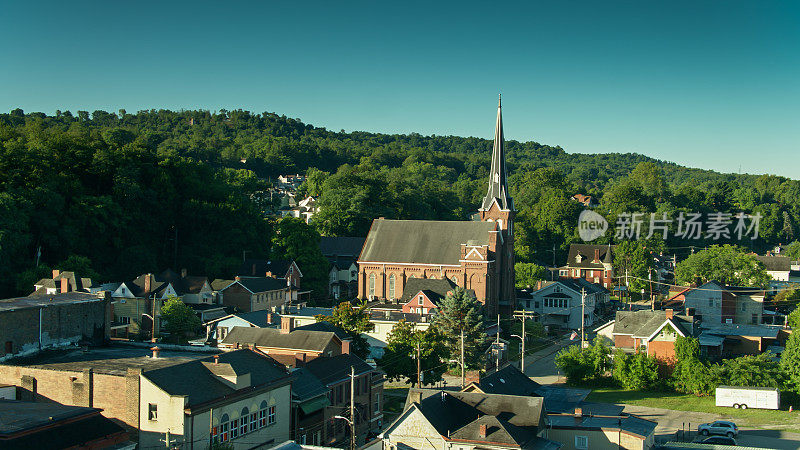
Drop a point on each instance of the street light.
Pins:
(352, 430)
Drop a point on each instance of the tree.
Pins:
(635, 371)
(179, 318)
(790, 362)
(632, 260)
(787, 295)
(793, 319)
(460, 311)
(527, 274)
(400, 355)
(354, 321)
(727, 264)
(755, 371)
(81, 265)
(295, 240)
(575, 364)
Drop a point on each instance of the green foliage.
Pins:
(790, 362)
(354, 321)
(296, 240)
(692, 376)
(527, 274)
(793, 319)
(754, 371)
(460, 311)
(727, 264)
(581, 365)
(633, 258)
(635, 371)
(179, 318)
(399, 358)
(793, 250)
(686, 347)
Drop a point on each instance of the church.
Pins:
(476, 255)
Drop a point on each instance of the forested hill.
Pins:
(139, 192)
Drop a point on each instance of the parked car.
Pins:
(720, 427)
(719, 440)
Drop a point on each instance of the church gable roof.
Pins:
(423, 241)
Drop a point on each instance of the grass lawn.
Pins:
(758, 418)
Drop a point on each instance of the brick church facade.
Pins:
(476, 255)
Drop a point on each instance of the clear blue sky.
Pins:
(711, 84)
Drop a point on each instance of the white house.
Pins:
(558, 303)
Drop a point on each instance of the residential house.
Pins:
(31, 324)
(423, 295)
(714, 302)
(338, 374)
(310, 412)
(291, 182)
(718, 341)
(781, 272)
(293, 348)
(217, 329)
(653, 332)
(248, 294)
(581, 431)
(560, 303)
(64, 281)
(279, 268)
(434, 419)
(594, 263)
(38, 425)
(304, 209)
(342, 254)
(240, 398)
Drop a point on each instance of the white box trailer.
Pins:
(749, 397)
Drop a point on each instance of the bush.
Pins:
(635, 371)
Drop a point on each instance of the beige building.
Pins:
(579, 432)
(240, 398)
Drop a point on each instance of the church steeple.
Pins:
(498, 187)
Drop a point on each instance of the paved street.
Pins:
(540, 366)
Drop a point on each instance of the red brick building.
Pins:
(593, 263)
(476, 255)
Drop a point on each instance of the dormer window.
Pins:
(421, 300)
(578, 258)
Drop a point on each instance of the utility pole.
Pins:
(650, 282)
(497, 346)
(154, 316)
(352, 407)
(522, 357)
(583, 309)
(419, 384)
(462, 358)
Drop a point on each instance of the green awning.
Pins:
(315, 404)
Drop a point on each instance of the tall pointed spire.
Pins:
(498, 188)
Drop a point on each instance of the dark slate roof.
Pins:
(272, 337)
(42, 426)
(261, 284)
(342, 262)
(257, 318)
(645, 322)
(325, 327)
(776, 263)
(76, 283)
(193, 284)
(196, 381)
(220, 284)
(735, 329)
(333, 369)
(423, 241)
(510, 419)
(341, 246)
(306, 386)
(587, 252)
(435, 289)
(509, 381)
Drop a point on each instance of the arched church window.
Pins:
(391, 287)
(372, 285)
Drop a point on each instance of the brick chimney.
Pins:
(483, 430)
(269, 318)
(578, 413)
(670, 313)
(287, 324)
(237, 278)
(155, 352)
(216, 359)
(56, 273)
(184, 272)
(64, 285)
(147, 283)
(346, 346)
(596, 255)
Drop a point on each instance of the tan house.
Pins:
(247, 294)
(583, 432)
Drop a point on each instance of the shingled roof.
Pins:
(645, 322)
(775, 263)
(586, 251)
(423, 241)
(341, 246)
(435, 289)
(509, 381)
(274, 338)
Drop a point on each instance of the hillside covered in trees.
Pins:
(140, 192)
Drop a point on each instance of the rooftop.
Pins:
(274, 338)
(630, 423)
(113, 360)
(45, 300)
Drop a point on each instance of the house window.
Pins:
(372, 285)
(234, 428)
(377, 406)
(125, 320)
(581, 442)
(711, 303)
(391, 286)
(152, 411)
(223, 429)
(222, 332)
(262, 415)
(271, 415)
(253, 421)
(421, 300)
